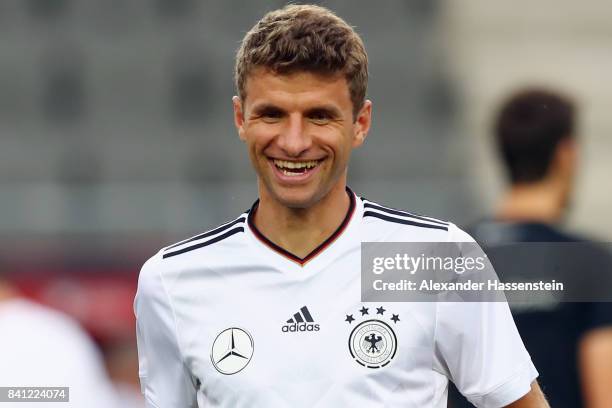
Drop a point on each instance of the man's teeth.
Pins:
(292, 168)
(282, 164)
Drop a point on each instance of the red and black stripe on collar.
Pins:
(318, 249)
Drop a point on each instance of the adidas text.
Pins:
(300, 327)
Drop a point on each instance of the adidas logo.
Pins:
(301, 321)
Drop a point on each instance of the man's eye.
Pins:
(271, 116)
(320, 118)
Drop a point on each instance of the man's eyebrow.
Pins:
(265, 108)
(329, 110)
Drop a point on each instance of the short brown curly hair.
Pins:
(304, 38)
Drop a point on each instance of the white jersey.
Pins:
(40, 347)
(229, 319)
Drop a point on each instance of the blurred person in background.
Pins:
(41, 347)
(569, 342)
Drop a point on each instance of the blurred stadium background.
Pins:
(117, 135)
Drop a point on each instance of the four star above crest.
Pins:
(365, 311)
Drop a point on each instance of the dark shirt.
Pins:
(551, 331)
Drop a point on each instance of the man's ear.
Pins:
(362, 123)
(238, 117)
(565, 156)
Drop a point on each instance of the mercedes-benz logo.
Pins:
(232, 350)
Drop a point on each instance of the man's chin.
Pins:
(295, 198)
(296, 203)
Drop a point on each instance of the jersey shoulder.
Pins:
(201, 251)
(197, 251)
(401, 225)
(216, 237)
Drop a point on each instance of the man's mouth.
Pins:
(296, 168)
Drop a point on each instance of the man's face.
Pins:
(300, 132)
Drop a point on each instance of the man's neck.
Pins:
(536, 202)
(300, 231)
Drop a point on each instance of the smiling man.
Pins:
(265, 310)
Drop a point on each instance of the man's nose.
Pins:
(294, 139)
